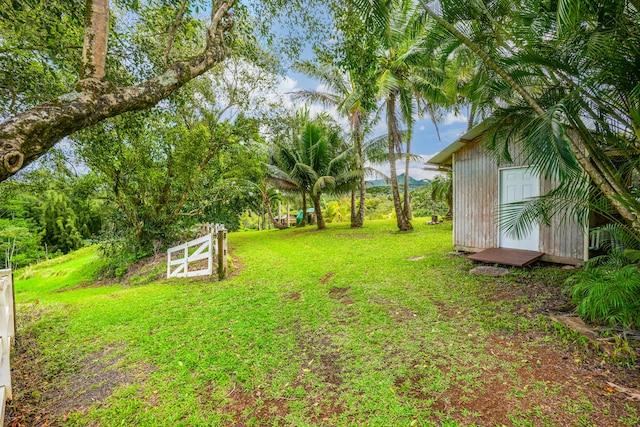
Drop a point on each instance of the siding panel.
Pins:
(476, 204)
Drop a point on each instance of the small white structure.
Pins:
(204, 248)
(481, 187)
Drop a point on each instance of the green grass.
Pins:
(313, 328)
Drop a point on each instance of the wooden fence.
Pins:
(7, 336)
(199, 252)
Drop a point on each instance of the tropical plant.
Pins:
(442, 191)
(574, 89)
(344, 93)
(316, 161)
(407, 85)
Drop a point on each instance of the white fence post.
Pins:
(7, 336)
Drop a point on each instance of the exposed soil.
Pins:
(326, 278)
(147, 266)
(295, 296)
(245, 406)
(399, 312)
(44, 394)
(549, 374)
(341, 294)
(319, 358)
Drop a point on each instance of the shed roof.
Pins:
(444, 157)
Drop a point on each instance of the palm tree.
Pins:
(344, 94)
(407, 85)
(442, 190)
(315, 162)
(576, 90)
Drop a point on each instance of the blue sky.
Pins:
(425, 140)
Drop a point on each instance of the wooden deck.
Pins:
(515, 257)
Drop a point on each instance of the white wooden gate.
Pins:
(7, 336)
(204, 248)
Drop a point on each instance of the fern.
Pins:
(605, 294)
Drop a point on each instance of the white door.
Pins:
(516, 185)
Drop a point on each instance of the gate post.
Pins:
(222, 254)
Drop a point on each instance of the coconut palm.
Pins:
(317, 161)
(573, 72)
(408, 85)
(442, 190)
(343, 93)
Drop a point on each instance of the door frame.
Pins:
(537, 226)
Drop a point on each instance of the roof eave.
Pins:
(444, 157)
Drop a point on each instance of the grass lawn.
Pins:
(332, 328)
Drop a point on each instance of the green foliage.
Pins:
(49, 210)
(608, 295)
(19, 245)
(39, 51)
(315, 161)
(337, 210)
(60, 225)
(186, 162)
(379, 206)
(424, 204)
(608, 290)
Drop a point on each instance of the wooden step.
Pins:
(505, 256)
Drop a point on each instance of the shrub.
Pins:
(606, 295)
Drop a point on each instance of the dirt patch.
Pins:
(341, 294)
(44, 393)
(446, 310)
(295, 296)
(541, 384)
(144, 271)
(399, 312)
(326, 278)
(321, 359)
(416, 258)
(244, 407)
(336, 292)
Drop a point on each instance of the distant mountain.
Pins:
(413, 183)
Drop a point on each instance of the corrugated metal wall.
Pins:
(476, 203)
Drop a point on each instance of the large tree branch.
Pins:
(25, 137)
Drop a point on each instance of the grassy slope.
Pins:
(315, 328)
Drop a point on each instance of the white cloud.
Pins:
(423, 127)
(452, 118)
(287, 84)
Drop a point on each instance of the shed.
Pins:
(481, 186)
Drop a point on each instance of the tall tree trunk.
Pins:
(357, 130)
(303, 221)
(318, 211)
(394, 141)
(277, 224)
(354, 209)
(619, 196)
(407, 197)
(96, 34)
(472, 117)
(28, 135)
